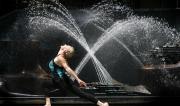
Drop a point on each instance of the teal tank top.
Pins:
(55, 69)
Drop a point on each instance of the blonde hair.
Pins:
(70, 52)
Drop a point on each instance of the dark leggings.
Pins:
(65, 83)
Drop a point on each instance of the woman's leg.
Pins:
(61, 85)
(66, 83)
(57, 82)
(48, 101)
(81, 93)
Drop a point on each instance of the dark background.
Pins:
(9, 5)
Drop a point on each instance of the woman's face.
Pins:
(64, 47)
(67, 50)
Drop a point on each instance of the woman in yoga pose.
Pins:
(61, 73)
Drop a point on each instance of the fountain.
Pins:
(109, 37)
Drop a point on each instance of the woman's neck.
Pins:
(60, 53)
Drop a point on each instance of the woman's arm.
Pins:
(71, 72)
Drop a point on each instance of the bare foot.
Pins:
(105, 104)
(47, 105)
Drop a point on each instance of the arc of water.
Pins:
(101, 79)
(100, 42)
(93, 49)
(60, 26)
(82, 41)
(104, 75)
(64, 12)
(98, 65)
(107, 79)
(129, 51)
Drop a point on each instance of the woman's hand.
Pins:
(81, 83)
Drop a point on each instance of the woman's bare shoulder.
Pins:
(61, 59)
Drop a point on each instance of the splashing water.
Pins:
(116, 24)
(103, 13)
(68, 26)
(138, 35)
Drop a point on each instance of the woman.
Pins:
(61, 73)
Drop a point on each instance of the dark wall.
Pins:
(155, 3)
(7, 6)
(16, 56)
